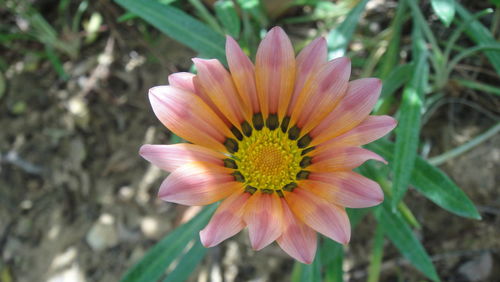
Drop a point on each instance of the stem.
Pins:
(465, 147)
(377, 254)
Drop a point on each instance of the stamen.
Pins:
(272, 121)
(304, 141)
(236, 133)
(231, 145)
(284, 124)
(305, 151)
(247, 129)
(267, 191)
(290, 186)
(294, 133)
(305, 162)
(230, 163)
(238, 176)
(250, 189)
(303, 174)
(258, 121)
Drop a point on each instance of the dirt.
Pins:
(78, 203)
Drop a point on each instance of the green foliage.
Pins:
(445, 9)
(154, 263)
(401, 235)
(228, 16)
(339, 38)
(180, 26)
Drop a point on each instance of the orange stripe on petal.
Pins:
(371, 129)
(182, 80)
(188, 116)
(319, 214)
(216, 82)
(298, 240)
(345, 188)
(331, 87)
(275, 72)
(227, 220)
(170, 157)
(352, 110)
(243, 74)
(198, 184)
(309, 62)
(345, 158)
(264, 218)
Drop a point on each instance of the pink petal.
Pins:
(298, 240)
(344, 158)
(309, 61)
(345, 188)
(227, 220)
(322, 216)
(186, 115)
(275, 72)
(371, 129)
(182, 80)
(217, 83)
(198, 184)
(331, 87)
(170, 157)
(264, 218)
(351, 111)
(243, 74)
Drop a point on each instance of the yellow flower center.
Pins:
(268, 160)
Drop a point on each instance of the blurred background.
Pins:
(77, 203)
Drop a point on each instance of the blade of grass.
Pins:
(481, 35)
(445, 10)
(465, 147)
(479, 86)
(154, 263)
(307, 272)
(408, 130)
(397, 78)
(180, 26)
(339, 38)
(332, 259)
(377, 254)
(403, 238)
(188, 263)
(431, 182)
(254, 8)
(391, 56)
(228, 16)
(205, 15)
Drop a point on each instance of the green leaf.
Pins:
(227, 15)
(339, 38)
(397, 78)
(408, 130)
(180, 26)
(307, 272)
(481, 35)
(431, 182)
(445, 10)
(332, 257)
(188, 263)
(391, 56)
(154, 263)
(401, 235)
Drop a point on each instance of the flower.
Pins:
(276, 142)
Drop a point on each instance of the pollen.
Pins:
(268, 160)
